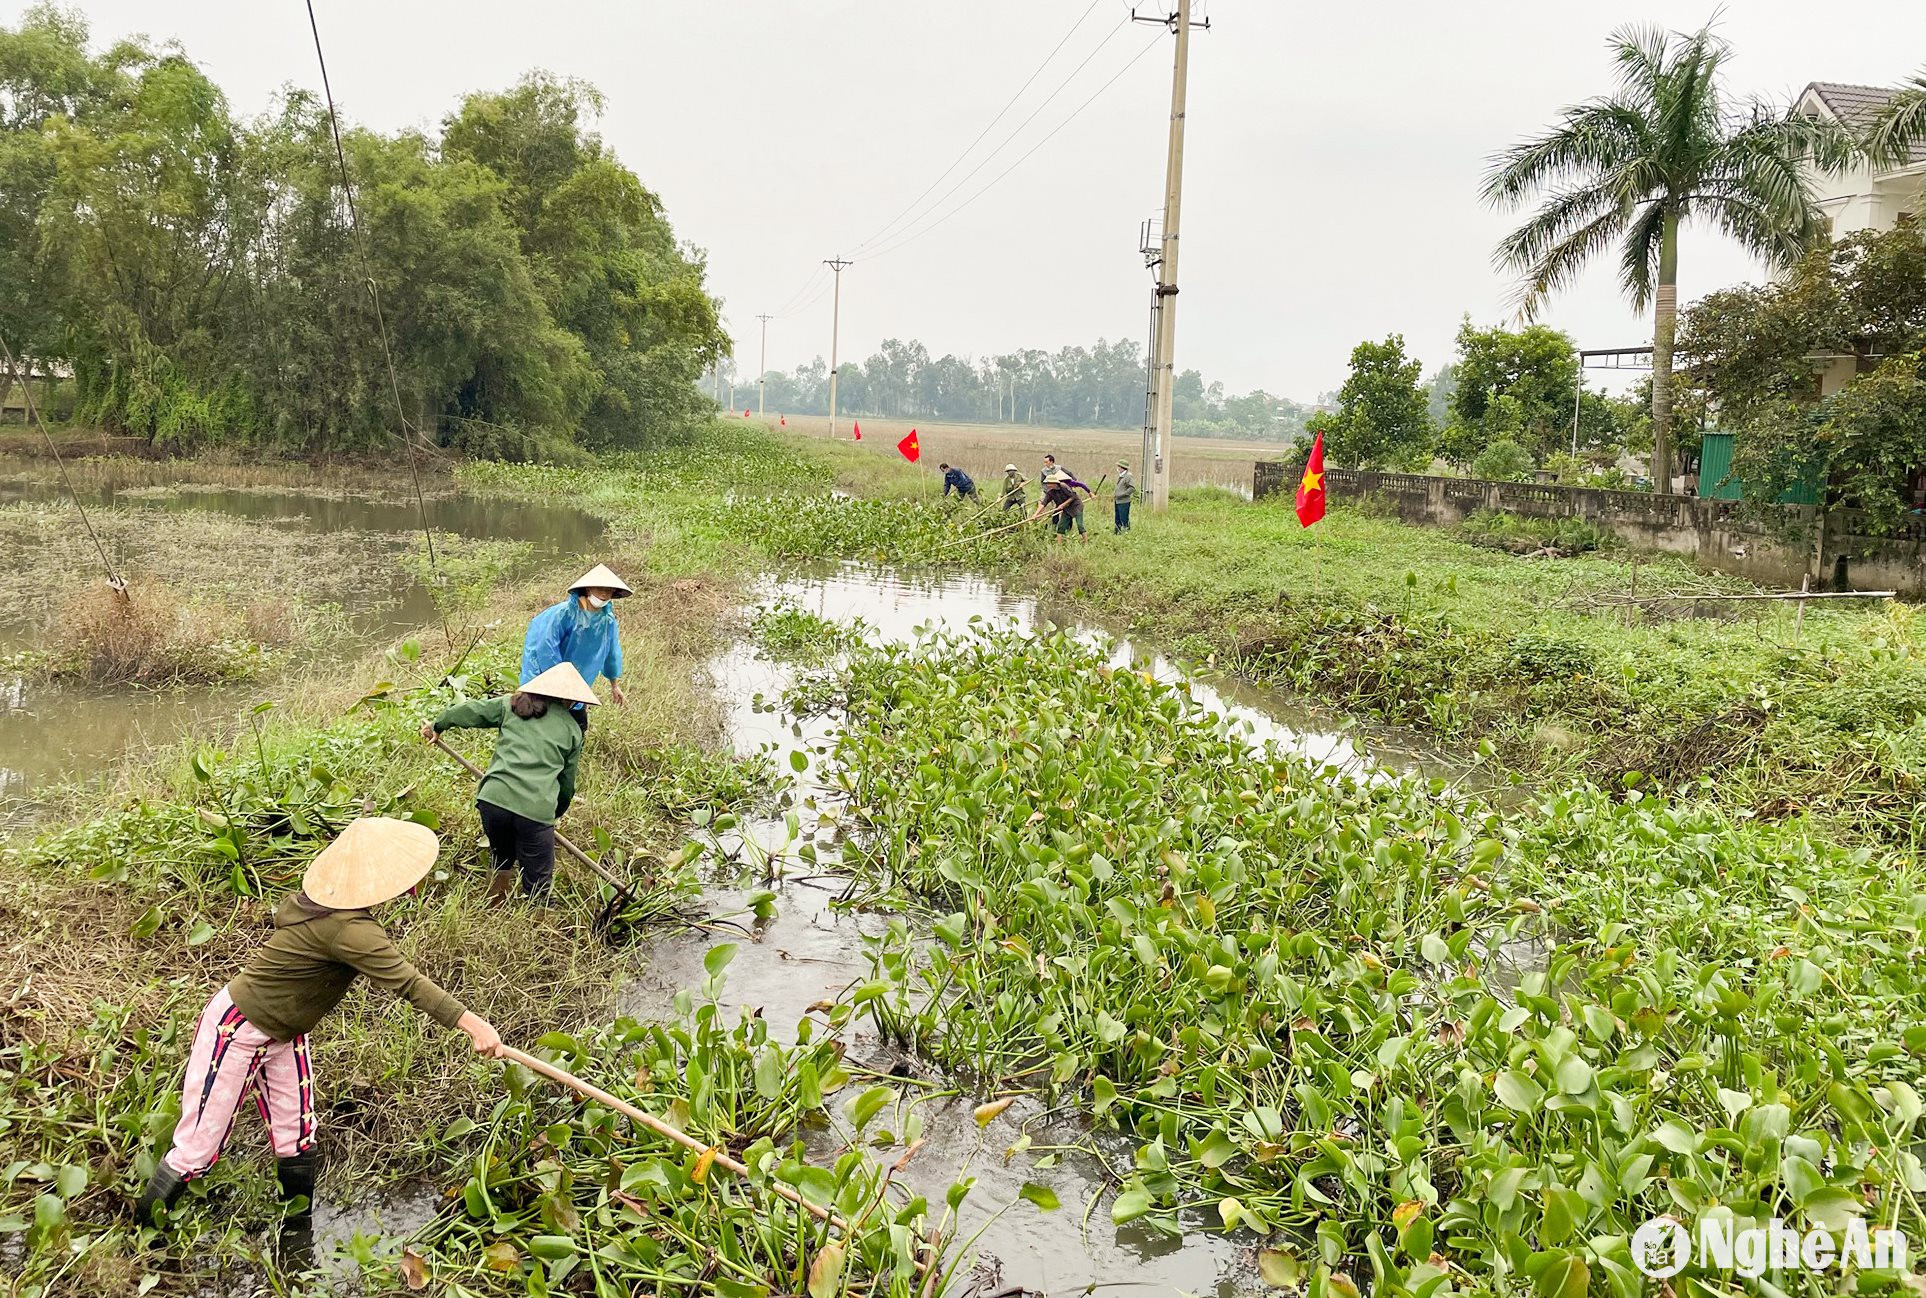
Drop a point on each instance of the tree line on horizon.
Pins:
(1101, 386)
(200, 275)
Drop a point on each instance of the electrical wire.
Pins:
(1001, 113)
(114, 580)
(409, 434)
(913, 236)
(1034, 113)
(790, 307)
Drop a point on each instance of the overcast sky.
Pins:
(1333, 155)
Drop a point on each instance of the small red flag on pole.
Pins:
(1310, 488)
(859, 431)
(745, 412)
(911, 449)
(783, 420)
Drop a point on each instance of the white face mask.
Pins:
(597, 602)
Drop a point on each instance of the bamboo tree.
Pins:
(1633, 168)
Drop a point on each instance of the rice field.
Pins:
(982, 450)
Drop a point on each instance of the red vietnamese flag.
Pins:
(1310, 488)
(745, 412)
(783, 420)
(859, 431)
(912, 450)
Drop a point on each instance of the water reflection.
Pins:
(50, 732)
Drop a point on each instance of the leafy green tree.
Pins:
(1753, 351)
(1536, 368)
(600, 251)
(201, 275)
(45, 75)
(1382, 420)
(1666, 149)
(1503, 461)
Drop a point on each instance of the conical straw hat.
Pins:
(561, 681)
(375, 859)
(600, 576)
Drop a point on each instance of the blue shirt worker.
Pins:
(581, 631)
(960, 482)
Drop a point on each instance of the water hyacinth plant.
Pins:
(569, 1198)
(1419, 1043)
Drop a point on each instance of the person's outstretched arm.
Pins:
(476, 714)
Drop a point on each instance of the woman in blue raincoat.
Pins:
(580, 630)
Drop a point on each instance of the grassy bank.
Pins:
(1480, 649)
(166, 891)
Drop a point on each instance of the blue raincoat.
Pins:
(567, 632)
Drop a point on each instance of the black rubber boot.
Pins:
(297, 1181)
(163, 1192)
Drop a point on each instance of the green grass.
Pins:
(1475, 646)
(169, 889)
(1483, 651)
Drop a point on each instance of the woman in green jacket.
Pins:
(531, 781)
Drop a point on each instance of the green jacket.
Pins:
(314, 957)
(533, 771)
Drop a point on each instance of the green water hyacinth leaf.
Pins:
(1566, 1277)
(867, 1105)
(147, 924)
(1129, 1205)
(1574, 1075)
(1041, 1195)
(769, 1075)
(718, 957)
(1518, 1092)
(552, 1248)
(1435, 949)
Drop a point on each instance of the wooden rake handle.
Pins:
(663, 1129)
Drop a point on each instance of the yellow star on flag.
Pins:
(1313, 481)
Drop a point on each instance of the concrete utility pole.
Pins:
(762, 366)
(1165, 354)
(835, 329)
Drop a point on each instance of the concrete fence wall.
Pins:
(1712, 533)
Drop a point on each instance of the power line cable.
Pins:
(790, 308)
(912, 236)
(408, 434)
(1034, 113)
(1001, 112)
(114, 580)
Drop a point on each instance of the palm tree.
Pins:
(1633, 167)
(1900, 127)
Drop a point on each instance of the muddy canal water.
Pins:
(338, 549)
